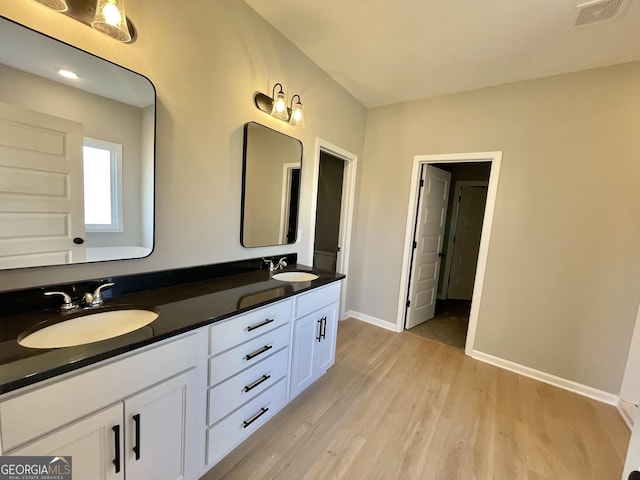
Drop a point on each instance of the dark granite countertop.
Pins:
(181, 308)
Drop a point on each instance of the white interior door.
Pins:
(466, 241)
(41, 189)
(429, 232)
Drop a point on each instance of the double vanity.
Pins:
(170, 399)
(174, 368)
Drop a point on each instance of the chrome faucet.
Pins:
(90, 299)
(67, 302)
(273, 267)
(95, 299)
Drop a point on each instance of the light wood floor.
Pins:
(398, 406)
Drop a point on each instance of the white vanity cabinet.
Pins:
(248, 375)
(174, 409)
(135, 418)
(90, 442)
(314, 336)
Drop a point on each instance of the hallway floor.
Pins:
(449, 326)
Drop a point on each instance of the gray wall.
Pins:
(563, 272)
(206, 60)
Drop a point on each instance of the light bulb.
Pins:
(111, 19)
(67, 74)
(297, 114)
(111, 14)
(279, 108)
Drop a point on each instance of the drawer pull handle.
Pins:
(319, 337)
(136, 447)
(262, 411)
(253, 385)
(116, 437)
(261, 324)
(258, 352)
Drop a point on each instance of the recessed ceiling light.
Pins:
(68, 74)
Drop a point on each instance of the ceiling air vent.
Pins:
(597, 11)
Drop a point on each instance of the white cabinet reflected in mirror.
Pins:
(272, 164)
(76, 155)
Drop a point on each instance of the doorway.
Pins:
(328, 210)
(449, 216)
(468, 201)
(492, 161)
(339, 161)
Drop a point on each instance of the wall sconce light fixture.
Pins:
(106, 16)
(58, 5)
(276, 106)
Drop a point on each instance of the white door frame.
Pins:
(346, 209)
(287, 172)
(630, 387)
(452, 232)
(496, 160)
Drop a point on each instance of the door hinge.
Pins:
(408, 303)
(421, 182)
(415, 244)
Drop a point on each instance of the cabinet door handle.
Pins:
(253, 385)
(136, 447)
(324, 328)
(258, 352)
(261, 324)
(116, 437)
(319, 337)
(262, 411)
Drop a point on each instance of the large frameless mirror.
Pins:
(77, 145)
(272, 164)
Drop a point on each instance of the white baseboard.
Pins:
(628, 412)
(372, 320)
(594, 393)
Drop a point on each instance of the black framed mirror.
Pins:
(272, 164)
(77, 154)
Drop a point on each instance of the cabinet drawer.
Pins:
(232, 361)
(316, 299)
(229, 395)
(224, 436)
(229, 333)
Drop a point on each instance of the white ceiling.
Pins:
(40, 55)
(389, 51)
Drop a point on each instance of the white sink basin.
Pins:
(89, 328)
(295, 276)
